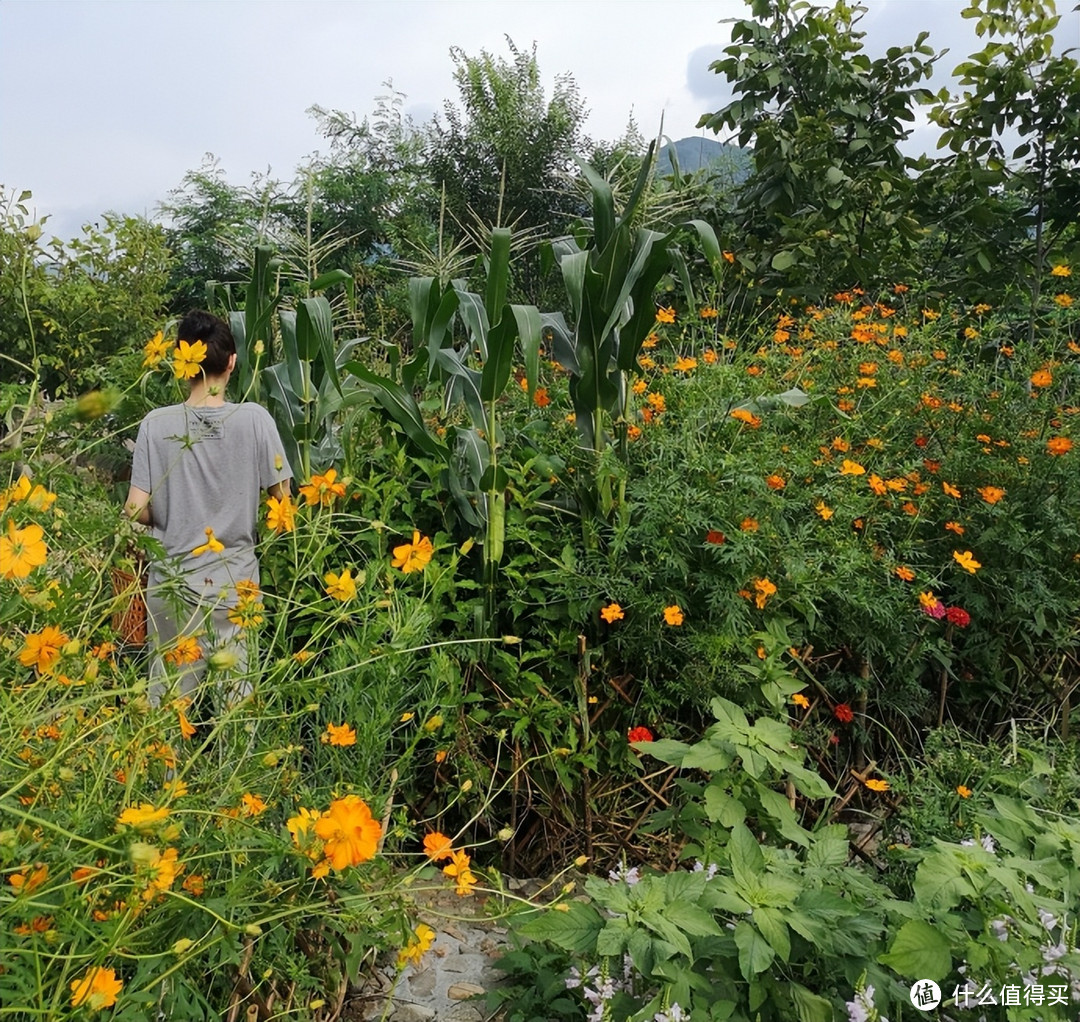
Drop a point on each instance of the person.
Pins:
(198, 473)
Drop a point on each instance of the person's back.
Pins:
(197, 477)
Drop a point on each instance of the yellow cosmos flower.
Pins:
(164, 869)
(252, 805)
(673, 615)
(459, 871)
(765, 589)
(97, 988)
(21, 550)
(950, 490)
(413, 556)
(877, 785)
(42, 649)
(212, 544)
(340, 735)
(684, 365)
(187, 359)
(156, 349)
(801, 701)
(963, 791)
(422, 939)
(341, 587)
(1061, 271)
(665, 315)
(142, 817)
(186, 651)
(966, 561)
(303, 824)
(851, 468)
(824, 510)
(280, 516)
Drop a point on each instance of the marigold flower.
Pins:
(156, 349)
(966, 561)
(341, 735)
(541, 398)
(1061, 271)
(748, 417)
(904, 573)
(775, 482)
(749, 525)
(1042, 378)
(437, 846)
(143, 816)
(673, 615)
(1058, 445)
(842, 712)
(97, 988)
(413, 556)
(186, 651)
(280, 516)
(963, 791)
(340, 587)
(187, 359)
(21, 550)
(715, 537)
(323, 489)
(665, 315)
(460, 872)
(612, 613)
(639, 387)
(419, 944)
(350, 833)
(991, 494)
(765, 589)
(42, 649)
(877, 785)
(657, 402)
(639, 734)
(801, 701)
(212, 544)
(1063, 300)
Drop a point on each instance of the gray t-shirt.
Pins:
(206, 468)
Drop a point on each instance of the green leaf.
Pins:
(401, 407)
(574, 930)
(809, 1006)
(755, 954)
(498, 274)
(770, 921)
(919, 951)
(721, 808)
(747, 861)
(692, 919)
(783, 260)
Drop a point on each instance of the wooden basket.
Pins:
(129, 621)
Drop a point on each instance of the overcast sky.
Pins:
(105, 104)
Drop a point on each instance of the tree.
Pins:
(504, 157)
(828, 197)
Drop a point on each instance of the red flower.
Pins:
(712, 536)
(957, 616)
(842, 712)
(639, 734)
(834, 739)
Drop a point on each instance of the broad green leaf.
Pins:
(721, 808)
(809, 1006)
(747, 862)
(755, 954)
(692, 919)
(783, 260)
(939, 881)
(919, 951)
(574, 930)
(770, 921)
(614, 937)
(498, 274)
(401, 407)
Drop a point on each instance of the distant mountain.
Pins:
(694, 153)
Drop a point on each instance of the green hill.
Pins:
(695, 153)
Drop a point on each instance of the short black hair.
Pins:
(215, 333)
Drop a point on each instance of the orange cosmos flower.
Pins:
(963, 791)
(851, 468)
(1058, 445)
(187, 729)
(991, 494)
(708, 312)
(801, 701)
(765, 589)
(413, 556)
(323, 489)
(749, 525)
(673, 615)
(1042, 378)
(905, 573)
(350, 833)
(775, 482)
(1061, 271)
(665, 315)
(540, 397)
(437, 846)
(824, 510)
(950, 490)
(340, 735)
(742, 415)
(280, 515)
(97, 988)
(877, 785)
(612, 613)
(955, 527)
(877, 484)
(460, 872)
(186, 651)
(1063, 300)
